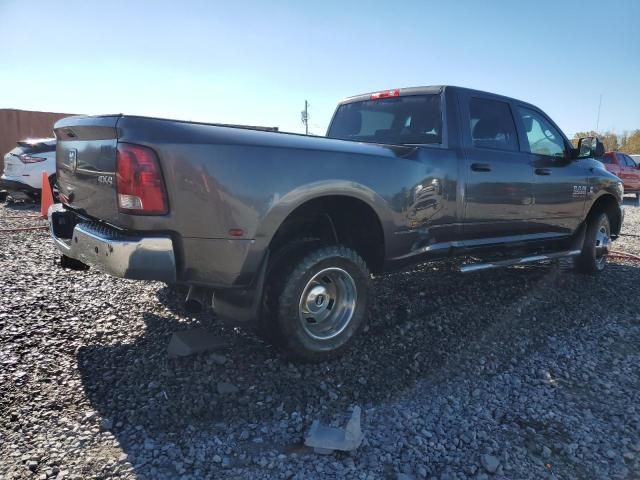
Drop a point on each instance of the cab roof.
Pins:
(424, 90)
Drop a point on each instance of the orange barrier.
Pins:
(46, 197)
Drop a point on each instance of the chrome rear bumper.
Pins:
(110, 250)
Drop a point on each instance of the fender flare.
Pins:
(281, 208)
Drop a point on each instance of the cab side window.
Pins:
(492, 125)
(543, 138)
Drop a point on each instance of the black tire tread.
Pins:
(586, 261)
(265, 327)
(280, 298)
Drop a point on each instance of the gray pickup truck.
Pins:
(283, 231)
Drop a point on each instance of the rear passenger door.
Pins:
(499, 179)
(560, 183)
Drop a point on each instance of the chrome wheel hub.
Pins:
(603, 241)
(327, 303)
(317, 300)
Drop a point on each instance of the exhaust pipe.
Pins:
(196, 299)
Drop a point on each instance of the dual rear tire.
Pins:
(315, 300)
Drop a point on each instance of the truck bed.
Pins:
(221, 178)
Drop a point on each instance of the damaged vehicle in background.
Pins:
(626, 169)
(407, 176)
(23, 167)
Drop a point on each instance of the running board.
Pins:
(474, 267)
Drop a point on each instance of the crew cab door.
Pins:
(560, 185)
(498, 177)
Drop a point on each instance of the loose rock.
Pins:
(227, 388)
(489, 463)
(494, 363)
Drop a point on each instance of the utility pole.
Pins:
(598, 119)
(305, 117)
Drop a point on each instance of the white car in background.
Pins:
(636, 158)
(23, 167)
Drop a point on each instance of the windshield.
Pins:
(398, 120)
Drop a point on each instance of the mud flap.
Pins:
(578, 240)
(242, 305)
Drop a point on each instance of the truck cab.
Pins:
(513, 175)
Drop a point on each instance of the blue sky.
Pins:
(253, 62)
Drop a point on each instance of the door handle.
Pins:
(542, 171)
(480, 167)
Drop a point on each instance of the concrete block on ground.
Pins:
(325, 440)
(190, 342)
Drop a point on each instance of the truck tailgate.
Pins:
(86, 164)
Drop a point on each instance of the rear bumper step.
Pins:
(474, 267)
(111, 251)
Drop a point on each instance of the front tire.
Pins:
(318, 301)
(597, 241)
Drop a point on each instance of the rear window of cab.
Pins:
(414, 119)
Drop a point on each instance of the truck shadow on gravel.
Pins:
(430, 324)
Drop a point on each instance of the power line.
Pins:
(305, 117)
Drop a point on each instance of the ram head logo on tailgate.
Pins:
(73, 159)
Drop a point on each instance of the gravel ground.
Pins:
(517, 373)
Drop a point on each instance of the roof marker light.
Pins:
(385, 94)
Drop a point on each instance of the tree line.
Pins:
(627, 142)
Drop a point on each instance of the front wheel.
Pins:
(597, 242)
(319, 301)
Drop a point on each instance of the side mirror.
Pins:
(590, 147)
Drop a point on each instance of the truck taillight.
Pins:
(139, 181)
(26, 158)
(385, 94)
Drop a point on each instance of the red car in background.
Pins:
(626, 169)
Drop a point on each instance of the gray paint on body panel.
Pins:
(426, 198)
